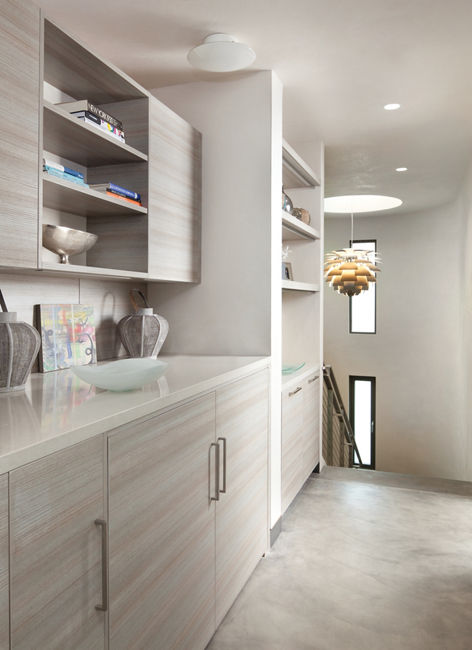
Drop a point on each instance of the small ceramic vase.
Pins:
(302, 214)
(143, 333)
(19, 346)
(287, 204)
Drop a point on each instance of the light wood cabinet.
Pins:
(175, 164)
(4, 576)
(55, 546)
(242, 510)
(162, 536)
(300, 435)
(19, 133)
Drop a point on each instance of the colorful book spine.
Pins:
(123, 198)
(103, 126)
(62, 168)
(64, 176)
(85, 105)
(117, 189)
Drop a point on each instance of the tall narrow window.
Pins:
(362, 308)
(362, 416)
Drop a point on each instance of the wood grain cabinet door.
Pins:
(293, 438)
(55, 547)
(311, 412)
(19, 133)
(4, 574)
(175, 168)
(162, 530)
(242, 411)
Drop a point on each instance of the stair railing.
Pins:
(338, 436)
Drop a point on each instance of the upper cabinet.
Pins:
(19, 133)
(152, 230)
(175, 170)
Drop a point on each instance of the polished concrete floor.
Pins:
(366, 561)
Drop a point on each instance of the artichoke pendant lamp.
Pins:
(350, 271)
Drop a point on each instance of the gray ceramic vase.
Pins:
(19, 346)
(143, 333)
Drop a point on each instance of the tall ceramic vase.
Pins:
(19, 346)
(143, 333)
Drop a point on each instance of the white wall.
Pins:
(236, 309)
(417, 354)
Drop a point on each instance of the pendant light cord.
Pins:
(352, 229)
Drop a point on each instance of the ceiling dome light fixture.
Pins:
(221, 53)
(392, 107)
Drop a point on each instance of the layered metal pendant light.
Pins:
(350, 271)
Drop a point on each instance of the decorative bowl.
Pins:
(66, 242)
(122, 375)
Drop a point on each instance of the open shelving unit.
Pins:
(73, 72)
(301, 294)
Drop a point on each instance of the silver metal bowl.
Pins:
(67, 242)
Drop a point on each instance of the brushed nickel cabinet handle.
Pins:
(217, 472)
(223, 489)
(294, 392)
(103, 607)
(310, 381)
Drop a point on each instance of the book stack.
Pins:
(61, 171)
(118, 192)
(96, 117)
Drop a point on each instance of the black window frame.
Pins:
(352, 243)
(352, 380)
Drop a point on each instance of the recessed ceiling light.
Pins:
(355, 203)
(221, 53)
(401, 169)
(391, 107)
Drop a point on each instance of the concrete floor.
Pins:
(366, 561)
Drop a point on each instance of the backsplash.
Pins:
(110, 299)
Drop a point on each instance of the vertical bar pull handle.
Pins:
(103, 607)
(217, 472)
(223, 489)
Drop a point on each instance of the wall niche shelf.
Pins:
(293, 285)
(63, 195)
(295, 171)
(293, 228)
(71, 138)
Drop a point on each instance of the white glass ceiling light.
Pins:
(221, 53)
(392, 107)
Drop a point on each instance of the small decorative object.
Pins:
(287, 273)
(302, 214)
(143, 333)
(122, 375)
(67, 242)
(68, 336)
(349, 271)
(19, 346)
(287, 204)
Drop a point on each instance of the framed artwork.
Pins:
(287, 273)
(67, 336)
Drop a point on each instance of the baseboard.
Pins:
(275, 531)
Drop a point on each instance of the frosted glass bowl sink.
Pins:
(122, 375)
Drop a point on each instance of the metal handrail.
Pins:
(339, 408)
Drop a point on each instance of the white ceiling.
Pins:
(340, 61)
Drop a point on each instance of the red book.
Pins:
(125, 198)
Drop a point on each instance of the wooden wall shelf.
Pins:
(69, 137)
(91, 271)
(63, 195)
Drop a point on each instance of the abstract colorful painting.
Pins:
(67, 336)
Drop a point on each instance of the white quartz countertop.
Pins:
(57, 409)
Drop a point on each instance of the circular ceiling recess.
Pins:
(221, 53)
(356, 203)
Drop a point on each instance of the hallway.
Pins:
(366, 561)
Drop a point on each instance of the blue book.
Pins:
(62, 168)
(117, 189)
(64, 175)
